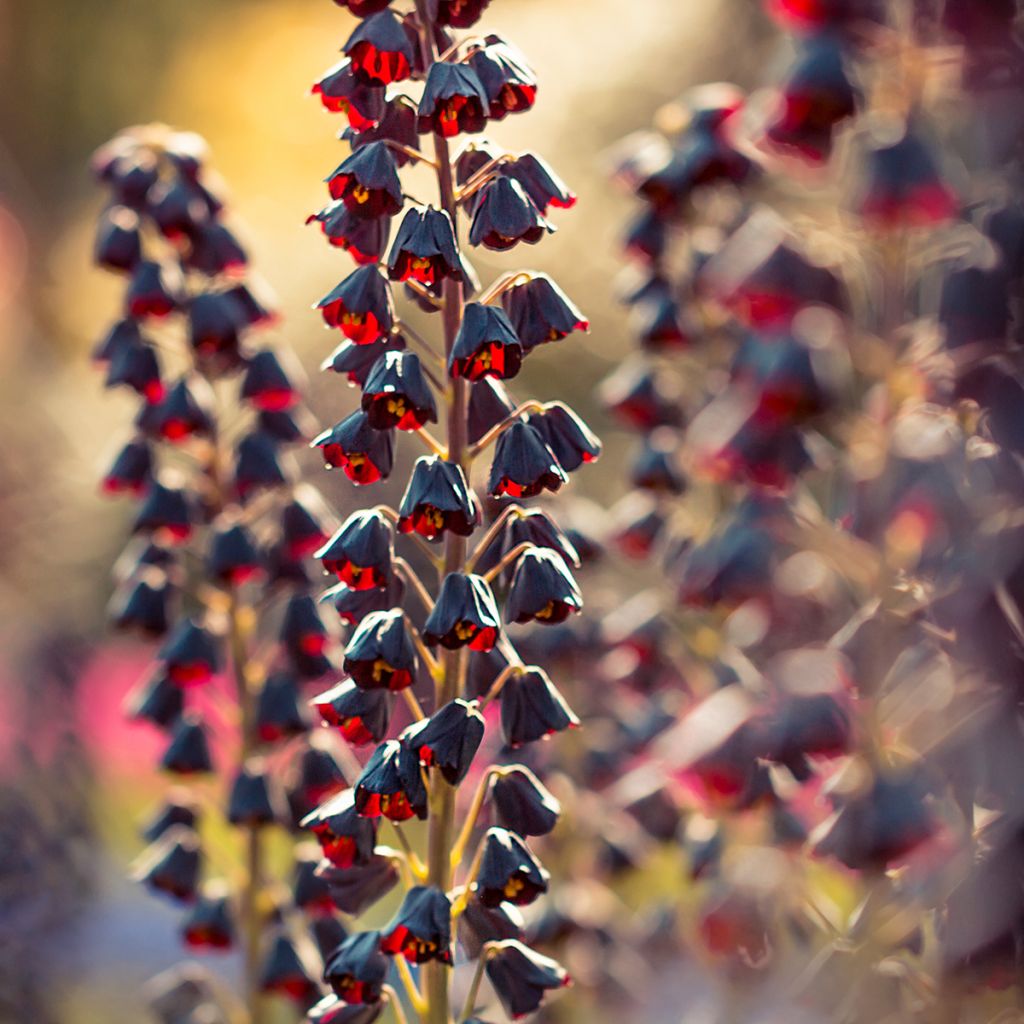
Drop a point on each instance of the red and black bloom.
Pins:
(303, 632)
(531, 708)
(156, 700)
(381, 49)
(396, 394)
(183, 413)
(460, 13)
(118, 245)
(258, 465)
(391, 784)
(363, 8)
(571, 440)
(505, 215)
(453, 101)
(267, 384)
(539, 182)
(153, 291)
(465, 613)
(448, 739)
(509, 872)
(541, 312)
(189, 750)
(361, 307)
(279, 715)
(367, 182)
(655, 467)
(438, 500)
(381, 654)
(361, 715)
(134, 363)
(341, 92)
(131, 470)
(478, 925)
(172, 864)
(365, 455)
(510, 85)
(304, 523)
(345, 837)
(489, 405)
(424, 248)
(358, 969)
(166, 513)
(522, 977)
(209, 923)
(522, 803)
(353, 606)
(523, 465)
(362, 238)
(422, 928)
(355, 889)
(361, 551)
(191, 654)
(234, 557)
(531, 526)
(543, 589)
(253, 800)
(355, 362)
(486, 345)
(397, 125)
(285, 972)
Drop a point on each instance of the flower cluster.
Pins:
(215, 571)
(454, 637)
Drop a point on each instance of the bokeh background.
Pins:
(76, 939)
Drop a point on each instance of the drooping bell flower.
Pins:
(397, 125)
(157, 700)
(183, 413)
(341, 91)
(523, 803)
(312, 895)
(254, 800)
(569, 438)
(178, 809)
(489, 405)
(361, 552)
(303, 631)
(485, 346)
(364, 455)
(485, 667)
(367, 182)
(130, 170)
(267, 384)
(391, 784)
(460, 13)
(381, 653)
(358, 969)
(361, 307)
(153, 291)
(655, 467)
(317, 776)
(258, 465)
(540, 312)
(522, 978)
(465, 614)
(279, 713)
(448, 739)
(814, 100)
(509, 84)
(209, 923)
(345, 837)
(660, 323)
(533, 526)
(286, 426)
(165, 513)
(135, 364)
(355, 889)
(191, 654)
(304, 522)
(523, 465)
(543, 589)
(479, 924)
(421, 930)
(361, 715)
(353, 606)
(438, 500)
(123, 334)
(804, 726)
(539, 182)
(180, 207)
(454, 101)
(188, 753)
(903, 186)
(131, 470)
(505, 215)
(286, 973)
(362, 238)
(531, 708)
(424, 248)
(215, 251)
(215, 323)
(172, 864)
(509, 872)
(396, 394)
(646, 237)
(356, 362)
(233, 558)
(118, 245)
(381, 49)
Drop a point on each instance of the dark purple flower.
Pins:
(341, 91)
(541, 312)
(453, 101)
(234, 558)
(571, 440)
(531, 708)
(165, 513)
(266, 384)
(437, 500)
(508, 871)
(381, 49)
(189, 750)
(465, 614)
(363, 239)
(522, 803)
(153, 291)
(486, 345)
(398, 125)
(505, 215)
(424, 248)
(543, 589)
(345, 836)
(191, 655)
(539, 182)
(509, 84)
(489, 405)
(358, 969)
(157, 700)
(355, 889)
(361, 307)
(172, 864)
(209, 923)
(522, 977)
(381, 653)
(422, 929)
(356, 362)
(279, 713)
(286, 973)
(396, 394)
(448, 739)
(361, 551)
(131, 470)
(362, 453)
(367, 182)
(523, 465)
(254, 799)
(118, 246)
(361, 715)
(391, 784)
(460, 13)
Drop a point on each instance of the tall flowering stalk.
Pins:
(215, 568)
(468, 884)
